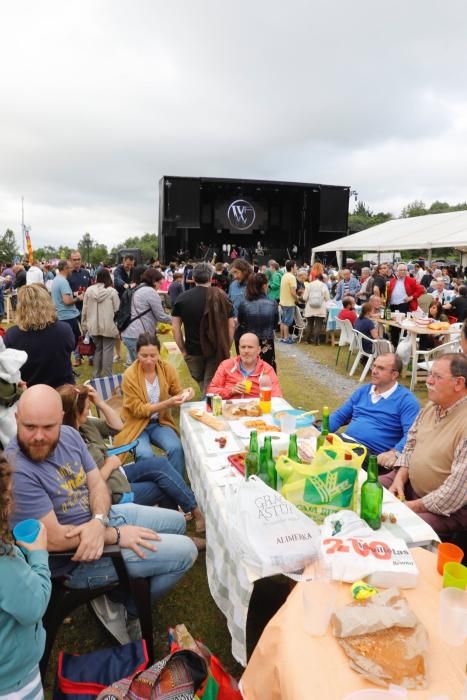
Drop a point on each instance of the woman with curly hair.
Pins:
(24, 595)
(47, 341)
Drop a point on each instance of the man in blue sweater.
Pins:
(379, 415)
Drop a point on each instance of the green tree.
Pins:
(363, 218)
(47, 252)
(148, 244)
(92, 251)
(415, 208)
(8, 246)
(439, 208)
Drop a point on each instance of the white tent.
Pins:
(419, 233)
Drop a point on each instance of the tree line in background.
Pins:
(91, 251)
(94, 252)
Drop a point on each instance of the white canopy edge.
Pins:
(447, 230)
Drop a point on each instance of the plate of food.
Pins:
(219, 443)
(234, 410)
(243, 427)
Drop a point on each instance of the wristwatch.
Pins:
(103, 519)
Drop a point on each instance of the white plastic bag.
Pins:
(404, 350)
(270, 534)
(354, 551)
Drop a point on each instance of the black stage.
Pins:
(200, 216)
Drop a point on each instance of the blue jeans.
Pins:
(167, 439)
(175, 553)
(130, 344)
(154, 480)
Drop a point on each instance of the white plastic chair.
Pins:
(346, 337)
(299, 324)
(378, 347)
(429, 356)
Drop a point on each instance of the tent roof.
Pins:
(419, 232)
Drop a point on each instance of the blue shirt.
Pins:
(60, 286)
(379, 426)
(236, 294)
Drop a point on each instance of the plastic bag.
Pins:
(404, 350)
(328, 484)
(354, 551)
(270, 534)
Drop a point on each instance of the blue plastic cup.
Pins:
(26, 531)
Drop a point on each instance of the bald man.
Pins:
(236, 375)
(56, 481)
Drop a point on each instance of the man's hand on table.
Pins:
(387, 459)
(398, 485)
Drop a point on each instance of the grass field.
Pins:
(190, 602)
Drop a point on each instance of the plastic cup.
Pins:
(453, 616)
(448, 552)
(26, 531)
(455, 576)
(248, 384)
(288, 423)
(319, 602)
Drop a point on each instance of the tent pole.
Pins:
(312, 257)
(339, 259)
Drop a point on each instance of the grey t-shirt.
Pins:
(58, 483)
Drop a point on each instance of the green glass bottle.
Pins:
(263, 466)
(293, 448)
(371, 497)
(252, 457)
(270, 462)
(387, 313)
(321, 439)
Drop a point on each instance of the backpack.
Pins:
(122, 317)
(315, 298)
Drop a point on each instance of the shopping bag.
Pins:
(86, 345)
(84, 677)
(219, 685)
(328, 484)
(176, 677)
(270, 535)
(354, 551)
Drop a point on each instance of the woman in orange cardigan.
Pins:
(150, 388)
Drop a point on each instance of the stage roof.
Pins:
(419, 232)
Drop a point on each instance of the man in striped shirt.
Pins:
(431, 472)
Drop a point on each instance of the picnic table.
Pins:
(413, 330)
(232, 582)
(287, 663)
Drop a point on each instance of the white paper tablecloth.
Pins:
(231, 581)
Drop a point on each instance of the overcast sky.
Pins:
(100, 98)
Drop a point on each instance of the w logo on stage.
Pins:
(241, 214)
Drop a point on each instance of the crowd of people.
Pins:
(57, 466)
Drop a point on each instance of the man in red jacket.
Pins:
(403, 292)
(238, 377)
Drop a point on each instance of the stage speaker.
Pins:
(181, 201)
(333, 209)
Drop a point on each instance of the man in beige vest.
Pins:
(431, 472)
